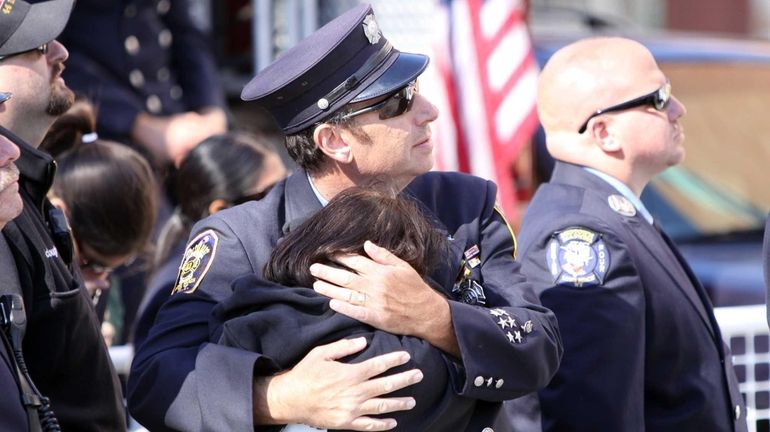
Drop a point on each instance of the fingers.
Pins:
(382, 363)
(387, 405)
(381, 255)
(336, 276)
(342, 294)
(358, 313)
(372, 424)
(388, 384)
(342, 348)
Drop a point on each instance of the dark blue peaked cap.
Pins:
(25, 26)
(347, 60)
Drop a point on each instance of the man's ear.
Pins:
(217, 205)
(601, 131)
(331, 142)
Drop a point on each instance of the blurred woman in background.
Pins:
(222, 171)
(108, 193)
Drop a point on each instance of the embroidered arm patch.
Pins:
(577, 257)
(196, 261)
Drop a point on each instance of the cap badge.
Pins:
(371, 29)
(621, 205)
(7, 6)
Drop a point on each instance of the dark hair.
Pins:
(305, 152)
(109, 189)
(355, 215)
(226, 167)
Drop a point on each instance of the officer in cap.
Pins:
(63, 350)
(350, 106)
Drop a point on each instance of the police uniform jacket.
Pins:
(766, 253)
(642, 350)
(509, 346)
(63, 345)
(132, 56)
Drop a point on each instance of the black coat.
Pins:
(63, 345)
(642, 349)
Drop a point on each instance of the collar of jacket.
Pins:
(37, 169)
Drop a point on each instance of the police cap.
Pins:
(347, 60)
(25, 26)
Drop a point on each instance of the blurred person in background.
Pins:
(108, 193)
(62, 343)
(153, 80)
(766, 253)
(642, 348)
(222, 171)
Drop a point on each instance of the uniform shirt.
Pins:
(509, 345)
(642, 349)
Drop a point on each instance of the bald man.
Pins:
(642, 348)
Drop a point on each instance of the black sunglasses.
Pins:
(395, 105)
(658, 99)
(42, 49)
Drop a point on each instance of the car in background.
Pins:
(713, 205)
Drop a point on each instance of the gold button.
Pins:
(164, 6)
(136, 77)
(165, 38)
(176, 92)
(154, 104)
(132, 45)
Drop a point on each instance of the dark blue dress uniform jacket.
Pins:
(180, 381)
(13, 414)
(766, 252)
(642, 350)
(131, 56)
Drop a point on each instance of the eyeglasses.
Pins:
(395, 105)
(42, 49)
(95, 267)
(658, 99)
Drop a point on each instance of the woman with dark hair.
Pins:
(282, 318)
(222, 171)
(107, 191)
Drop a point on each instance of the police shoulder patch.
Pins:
(196, 261)
(577, 257)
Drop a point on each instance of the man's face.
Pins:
(10, 200)
(398, 148)
(652, 140)
(35, 80)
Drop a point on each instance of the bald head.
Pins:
(589, 75)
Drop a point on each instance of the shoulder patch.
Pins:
(577, 257)
(196, 261)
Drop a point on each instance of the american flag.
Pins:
(488, 80)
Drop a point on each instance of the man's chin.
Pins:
(60, 101)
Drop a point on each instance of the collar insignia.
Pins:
(621, 205)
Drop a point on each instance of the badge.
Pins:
(469, 292)
(471, 252)
(371, 29)
(516, 334)
(577, 257)
(196, 262)
(621, 205)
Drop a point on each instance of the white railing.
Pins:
(745, 329)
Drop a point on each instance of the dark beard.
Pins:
(60, 101)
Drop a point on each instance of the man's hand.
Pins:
(171, 138)
(387, 293)
(324, 393)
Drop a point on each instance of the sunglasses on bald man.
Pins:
(658, 99)
(395, 105)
